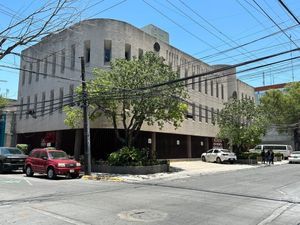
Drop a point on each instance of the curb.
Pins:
(102, 177)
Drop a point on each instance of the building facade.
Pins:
(50, 72)
(8, 125)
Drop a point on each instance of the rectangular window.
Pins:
(21, 108)
(193, 79)
(206, 114)
(211, 88)
(53, 64)
(200, 84)
(45, 67)
(87, 51)
(167, 55)
(178, 71)
(30, 73)
(127, 52)
(35, 103)
(212, 116)
(222, 91)
(63, 61)
(51, 101)
(37, 74)
(73, 52)
(28, 107)
(61, 99)
(23, 74)
(200, 113)
(141, 52)
(71, 93)
(43, 103)
(205, 86)
(186, 75)
(107, 52)
(217, 90)
(193, 111)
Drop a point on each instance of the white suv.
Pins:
(219, 156)
(285, 150)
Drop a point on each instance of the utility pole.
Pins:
(86, 125)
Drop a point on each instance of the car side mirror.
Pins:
(44, 157)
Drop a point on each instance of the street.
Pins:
(263, 195)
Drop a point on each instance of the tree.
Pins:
(242, 123)
(3, 102)
(120, 95)
(51, 17)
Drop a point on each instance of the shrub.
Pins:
(278, 155)
(23, 148)
(128, 157)
(248, 155)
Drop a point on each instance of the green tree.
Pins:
(120, 95)
(242, 124)
(3, 102)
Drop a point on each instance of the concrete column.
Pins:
(189, 146)
(153, 145)
(77, 143)
(58, 139)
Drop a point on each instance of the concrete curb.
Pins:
(102, 177)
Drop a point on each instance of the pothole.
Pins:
(143, 215)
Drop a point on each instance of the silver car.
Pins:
(294, 157)
(219, 156)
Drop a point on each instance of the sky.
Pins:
(215, 31)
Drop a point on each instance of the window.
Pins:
(222, 91)
(28, 107)
(186, 75)
(23, 75)
(61, 99)
(200, 84)
(21, 108)
(141, 53)
(35, 103)
(107, 51)
(87, 51)
(211, 88)
(43, 103)
(63, 61)
(206, 114)
(73, 52)
(217, 90)
(242, 95)
(127, 52)
(205, 86)
(200, 113)
(30, 73)
(213, 116)
(193, 79)
(53, 63)
(45, 67)
(51, 101)
(193, 111)
(71, 93)
(37, 74)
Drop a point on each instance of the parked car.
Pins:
(219, 156)
(294, 157)
(285, 150)
(11, 159)
(51, 162)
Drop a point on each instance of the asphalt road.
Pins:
(265, 195)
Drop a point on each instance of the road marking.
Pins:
(59, 217)
(276, 213)
(10, 181)
(27, 181)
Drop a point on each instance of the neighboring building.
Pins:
(100, 41)
(272, 136)
(8, 125)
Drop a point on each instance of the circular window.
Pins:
(156, 46)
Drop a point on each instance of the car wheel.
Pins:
(28, 171)
(1, 167)
(74, 175)
(51, 173)
(218, 160)
(203, 159)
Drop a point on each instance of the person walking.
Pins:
(268, 157)
(271, 157)
(263, 156)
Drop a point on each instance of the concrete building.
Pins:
(100, 41)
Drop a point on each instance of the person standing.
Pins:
(263, 156)
(268, 157)
(271, 157)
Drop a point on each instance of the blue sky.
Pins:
(202, 28)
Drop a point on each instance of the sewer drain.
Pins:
(143, 215)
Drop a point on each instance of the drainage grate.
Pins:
(143, 215)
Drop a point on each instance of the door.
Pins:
(214, 155)
(208, 155)
(43, 162)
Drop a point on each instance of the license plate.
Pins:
(71, 171)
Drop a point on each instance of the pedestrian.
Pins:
(272, 157)
(268, 157)
(263, 156)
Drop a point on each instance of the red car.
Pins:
(51, 162)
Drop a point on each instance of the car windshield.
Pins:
(11, 151)
(225, 150)
(58, 155)
(296, 153)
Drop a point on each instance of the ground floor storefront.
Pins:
(103, 142)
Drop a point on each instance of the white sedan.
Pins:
(294, 157)
(218, 155)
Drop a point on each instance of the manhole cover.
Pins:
(143, 215)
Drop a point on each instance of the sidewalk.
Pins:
(179, 170)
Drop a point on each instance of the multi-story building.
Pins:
(50, 71)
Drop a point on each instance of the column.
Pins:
(153, 145)
(189, 146)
